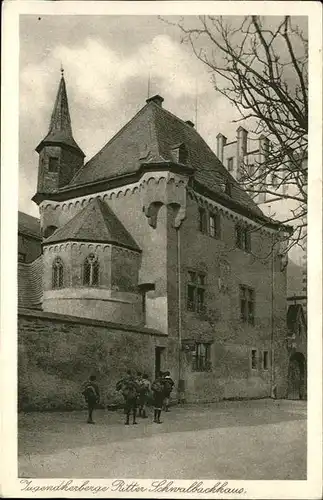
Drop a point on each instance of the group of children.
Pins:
(138, 392)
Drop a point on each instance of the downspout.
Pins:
(179, 298)
(272, 356)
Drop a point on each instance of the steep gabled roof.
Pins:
(95, 222)
(28, 225)
(60, 128)
(150, 137)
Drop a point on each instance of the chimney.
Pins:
(191, 124)
(242, 142)
(157, 99)
(221, 141)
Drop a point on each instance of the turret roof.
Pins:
(60, 128)
(95, 222)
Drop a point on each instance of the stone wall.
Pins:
(56, 353)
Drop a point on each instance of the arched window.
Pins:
(57, 273)
(91, 271)
(48, 231)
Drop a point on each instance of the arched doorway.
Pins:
(297, 376)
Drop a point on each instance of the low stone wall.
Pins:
(56, 353)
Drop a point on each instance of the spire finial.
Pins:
(62, 70)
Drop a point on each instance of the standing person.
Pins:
(168, 387)
(91, 395)
(139, 381)
(157, 388)
(144, 395)
(130, 391)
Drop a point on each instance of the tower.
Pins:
(59, 155)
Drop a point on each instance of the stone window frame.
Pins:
(254, 359)
(91, 270)
(217, 225)
(196, 289)
(265, 365)
(247, 304)
(53, 164)
(243, 237)
(203, 220)
(57, 273)
(201, 362)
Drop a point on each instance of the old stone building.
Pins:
(152, 257)
(243, 156)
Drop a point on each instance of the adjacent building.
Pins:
(243, 157)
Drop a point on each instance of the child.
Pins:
(130, 391)
(144, 395)
(168, 387)
(158, 397)
(91, 395)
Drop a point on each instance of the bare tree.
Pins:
(263, 71)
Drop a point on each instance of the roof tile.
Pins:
(150, 137)
(95, 222)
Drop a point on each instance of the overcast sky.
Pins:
(107, 60)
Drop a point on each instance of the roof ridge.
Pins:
(110, 213)
(87, 213)
(194, 131)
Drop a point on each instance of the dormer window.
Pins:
(91, 271)
(53, 164)
(180, 153)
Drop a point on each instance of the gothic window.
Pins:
(214, 225)
(254, 359)
(265, 360)
(52, 164)
(196, 289)
(57, 273)
(243, 238)
(202, 220)
(91, 271)
(224, 278)
(247, 305)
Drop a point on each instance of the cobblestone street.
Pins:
(228, 440)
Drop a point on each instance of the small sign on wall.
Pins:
(188, 345)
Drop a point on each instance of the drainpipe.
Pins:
(272, 360)
(179, 288)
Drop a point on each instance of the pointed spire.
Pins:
(61, 120)
(60, 127)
